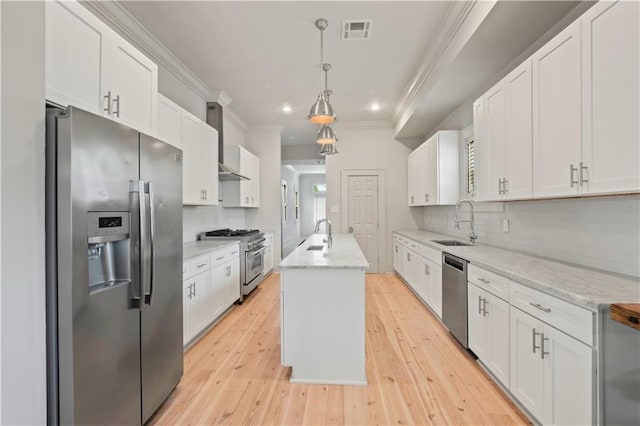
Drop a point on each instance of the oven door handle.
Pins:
(254, 252)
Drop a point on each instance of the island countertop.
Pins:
(344, 254)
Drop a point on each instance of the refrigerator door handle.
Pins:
(152, 233)
(139, 188)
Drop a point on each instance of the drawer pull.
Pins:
(201, 265)
(539, 306)
(220, 258)
(484, 280)
(634, 320)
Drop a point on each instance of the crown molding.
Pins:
(220, 97)
(120, 20)
(456, 16)
(361, 125)
(234, 118)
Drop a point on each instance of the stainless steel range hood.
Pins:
(214, 119)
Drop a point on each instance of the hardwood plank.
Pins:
(417, 373)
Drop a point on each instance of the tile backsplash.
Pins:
(196, 219)
(601, 232)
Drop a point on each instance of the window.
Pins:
(471, 166)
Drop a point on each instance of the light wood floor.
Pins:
(417, 373)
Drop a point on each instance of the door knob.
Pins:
(351, 229)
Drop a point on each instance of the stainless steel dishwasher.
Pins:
(454, 296)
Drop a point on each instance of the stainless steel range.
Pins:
(252, 263)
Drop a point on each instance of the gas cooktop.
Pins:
(232, 232)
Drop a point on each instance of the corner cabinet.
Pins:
(433, 171)
(200, 162)
(89, 66)
(242, 193)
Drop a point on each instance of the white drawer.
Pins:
(566, 317)
(412, 245)
(430, 253)
(489, 281)
(224, 254)
(195, 266)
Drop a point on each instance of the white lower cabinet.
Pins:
(419, 271)
(211, 285)
(268, 253)
(551, 372)
(488, 318)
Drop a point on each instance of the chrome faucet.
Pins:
(472, 236)
(329, 239)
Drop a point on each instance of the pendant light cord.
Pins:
(323, 82)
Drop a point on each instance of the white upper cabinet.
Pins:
(75, 56)
(169, 128)
(480, 141)
(494, 148)
(557, 120)
(133, 86)
(433, 171)
(243, 193)
(610, 101)
(518, 179)
(199, 162)
(89, 66)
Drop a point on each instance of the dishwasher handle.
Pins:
(454, 262)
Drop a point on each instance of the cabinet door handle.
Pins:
(228, 270)
(396, 249)
(479, 305)
(571, 170)
(484, 307)
(412, 199)
(539, 306)
(500, 186)
(116, 101)
(194, 290)
(108, 99)
(583, 169)
(533, 338)
(505, 187)
(408, 257)
(246, 200)
(542, 351)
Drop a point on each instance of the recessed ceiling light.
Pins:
(286, 109)
(374, 106)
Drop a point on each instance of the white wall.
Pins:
(265, 143)
(290, 229)
(372, 146)
(306, 201)
(22, 200)
(602, 233)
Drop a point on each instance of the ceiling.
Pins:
(266, 54)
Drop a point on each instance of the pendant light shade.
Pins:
(321, 111)
(328, 149)
(326, 135)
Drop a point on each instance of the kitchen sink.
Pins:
(315, 248)
(451, 243)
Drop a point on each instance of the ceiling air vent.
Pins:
(356, 30)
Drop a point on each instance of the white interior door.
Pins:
(363, 216)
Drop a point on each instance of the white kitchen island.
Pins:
(322, 312)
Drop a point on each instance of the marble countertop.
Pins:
(582, 286)
(344, 254)
(196, 248)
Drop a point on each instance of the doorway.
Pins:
(363, 213)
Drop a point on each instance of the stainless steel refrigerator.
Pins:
(114, 281)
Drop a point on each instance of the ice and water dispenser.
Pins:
(108, 250)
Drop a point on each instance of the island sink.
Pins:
(451, 243)
(315, 248)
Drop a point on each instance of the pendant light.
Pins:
(328, 149)
(326, 135)
(321, 111)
